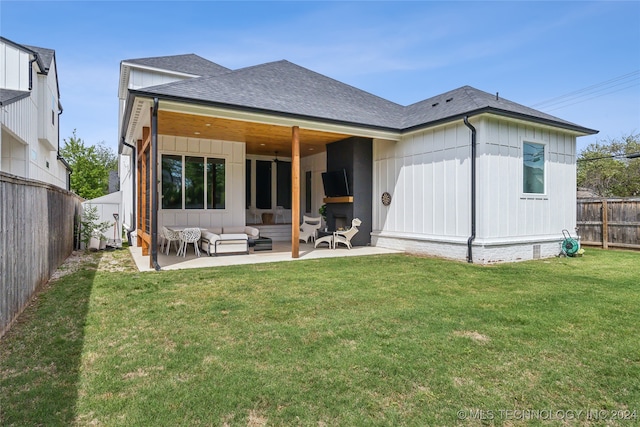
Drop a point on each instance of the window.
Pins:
(171, 182)
(307, 191)
(247, 183)
(192, 182)
(283, 184)
(263, 184)
(53, 110)
(215, 183)
(533, 168)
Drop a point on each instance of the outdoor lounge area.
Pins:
(281, 251)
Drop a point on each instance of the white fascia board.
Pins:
(125, 72)
(158, 70)
(274, 119)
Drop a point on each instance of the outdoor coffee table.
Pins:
(262, 244)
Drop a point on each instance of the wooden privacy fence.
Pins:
(36, 236)
(609, 222)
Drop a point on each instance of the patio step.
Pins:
(277, 232)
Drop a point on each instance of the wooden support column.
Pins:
(143, 211)
(295, 192)
(137, 220)
(605, 224)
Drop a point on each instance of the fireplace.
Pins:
(341, 222)
(355, 156)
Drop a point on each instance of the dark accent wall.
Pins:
(355, 155)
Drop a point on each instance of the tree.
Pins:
(91, 165)
(611, 168)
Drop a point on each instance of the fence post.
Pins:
(605, 225)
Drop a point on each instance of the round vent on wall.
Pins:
(386, 198)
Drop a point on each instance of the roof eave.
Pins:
(580, 130)
(234, 107)
(15, 99)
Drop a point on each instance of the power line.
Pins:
(611, 156)
(589, 99)
(628, 80)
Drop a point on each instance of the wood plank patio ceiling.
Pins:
(261, 139)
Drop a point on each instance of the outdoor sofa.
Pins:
(227, 240)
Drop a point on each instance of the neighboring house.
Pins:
(210, 143)
(30, 114)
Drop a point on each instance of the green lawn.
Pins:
(381, 340)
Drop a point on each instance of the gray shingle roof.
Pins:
(466, 100)
(188, 64)
(285, 88)
(46, 55)
(8, 96)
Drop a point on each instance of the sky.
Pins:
(579, 61)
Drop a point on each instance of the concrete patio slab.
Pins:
(281, 252)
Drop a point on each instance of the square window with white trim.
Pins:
(533, 168)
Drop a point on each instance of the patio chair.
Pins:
(168, 237)
(344, 237)
(309, 227)
(257, 218)
(189, 235)
(280, 214)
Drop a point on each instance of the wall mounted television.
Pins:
(335, 183)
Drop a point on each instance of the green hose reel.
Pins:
(570, 246)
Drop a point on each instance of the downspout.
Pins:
(35, 58)
(133, 191)
(154, 185)
(58, 156)
(473, 190)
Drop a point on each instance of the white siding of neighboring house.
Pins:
(47, 104)
(28, 141)
(428, 176)
(14, 68)
(234, 154)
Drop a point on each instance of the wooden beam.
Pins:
(295, 192)
(146, 141)
(341, 199)
(138, 219)
(605, 224)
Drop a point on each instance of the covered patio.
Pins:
(210, 147)
(183, 131)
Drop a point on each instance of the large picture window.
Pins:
(533, 168)
(215, 183)
(192, 182)
(171, 182)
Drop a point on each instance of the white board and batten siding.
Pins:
(428, 175)
(14, 67)
(234, 154)
(504, 211)
(145, 78)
